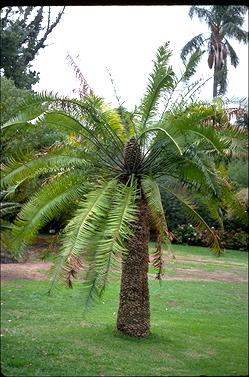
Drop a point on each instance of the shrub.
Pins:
(230, 239)
(237, 240)
(186, 234)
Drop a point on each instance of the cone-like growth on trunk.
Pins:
(132, 156)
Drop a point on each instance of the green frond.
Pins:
(232, 205)
(108, 121)
(233, 56)
(8, 208)
(60, 121)
(86, 116)
(193, 45)
(191, 65)
(198, 170)
(78, 238)
(186, 201)
(231, 30)
(161, 80)
(54, 161)
(97, 234)
(153, 196)
(37, 100)
(194, 120)
(201, 13)
(45, 205)
(213, 207)
(26, 111)
(163, 133)
(111, 247)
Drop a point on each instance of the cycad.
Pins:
(112, 174)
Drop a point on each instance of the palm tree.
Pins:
(113, 172)
(224, 22)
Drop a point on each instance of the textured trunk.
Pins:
(134, 311)
(215, 83)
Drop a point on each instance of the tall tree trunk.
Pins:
(134, 310)
(215, 82)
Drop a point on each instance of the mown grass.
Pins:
(198, 328)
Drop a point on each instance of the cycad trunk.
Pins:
(134, 310)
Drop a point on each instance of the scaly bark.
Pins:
(134, 311)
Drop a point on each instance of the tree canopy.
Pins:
(24, 31)
(224, 22)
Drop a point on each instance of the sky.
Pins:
(124, 40)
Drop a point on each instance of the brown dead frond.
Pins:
(72, 268)
(84, 89)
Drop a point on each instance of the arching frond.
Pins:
(194, 44)
(197, 170)
(97, 234)
(112, 245)
(161, 79)
(233, 56)
(232, 30)
(163, 235)
(191, 65)
(45, 205)
(71, 114)
(186, 201)
(163, 133)
(55, 161)
(201, 13)
(78, 237)
(231, 203)
(192, 120)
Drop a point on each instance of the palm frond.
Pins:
(186, 201)
(192, 120)
(231, 30)
(198, 170)
(112, 246)
(56, 160)
(8, 208)
(163, 133)
(161, 79)
(233, 56)
(201, 13)
(193, 45)
(78, 238)
(231, 203)
(190, 67)
(163, 236)
(45, 205)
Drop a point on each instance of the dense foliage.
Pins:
(24, 31)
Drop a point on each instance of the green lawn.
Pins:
(198, 328)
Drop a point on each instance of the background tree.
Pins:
(24, 31)
(111, 171)
(224, 22)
